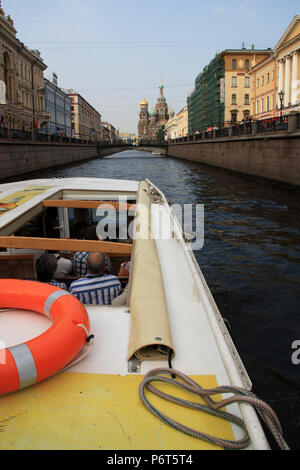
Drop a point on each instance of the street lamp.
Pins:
(281, 96)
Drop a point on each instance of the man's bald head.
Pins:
(95, 263)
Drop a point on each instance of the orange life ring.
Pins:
(45, 355)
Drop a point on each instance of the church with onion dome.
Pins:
(151, 122)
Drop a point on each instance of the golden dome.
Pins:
(144, 102)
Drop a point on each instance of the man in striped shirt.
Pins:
(80, 257)
(96, 288)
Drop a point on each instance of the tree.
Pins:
(160, 135)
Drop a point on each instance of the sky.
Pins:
(116, 52)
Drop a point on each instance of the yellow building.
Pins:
(237, 64)
(278, 73)
(177, 126)
(222, 93)
(127, 137)
(264, 89)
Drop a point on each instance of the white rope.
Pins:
(85, 329)
(89, 343)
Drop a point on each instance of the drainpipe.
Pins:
(33, 101)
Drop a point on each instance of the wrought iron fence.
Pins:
(208, 135)
(223, 132)
(238, 130)
(41, 137)
(273, 124)
(248, 128)
(22, 135)
(3, 133)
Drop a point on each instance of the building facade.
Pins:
(150, 123)
(58, 105)
(206, 102)
(127, 137)
(177, 126)
(22, 94)
(276, 81)
(264, 89)
(105, 135)
(222, 91)
(287, 57)
(113, 132)
(86, 121)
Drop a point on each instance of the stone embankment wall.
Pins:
(274, 157)
(17, 159)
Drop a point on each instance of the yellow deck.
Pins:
(94, 411)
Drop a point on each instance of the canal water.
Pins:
(250, 259)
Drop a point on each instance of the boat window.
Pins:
(113, 224)
(33, 228)
(45, 224)
(79, 219)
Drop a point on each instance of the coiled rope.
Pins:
(213, 407)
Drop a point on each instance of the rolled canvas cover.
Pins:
(150, 335)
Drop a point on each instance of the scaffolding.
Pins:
(206, 106)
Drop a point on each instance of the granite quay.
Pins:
(268, 149)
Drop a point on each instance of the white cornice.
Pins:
(289, 29)
(290, 52)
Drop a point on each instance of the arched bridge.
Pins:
(110, 148)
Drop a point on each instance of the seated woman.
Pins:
(64, 267)
(45, 267)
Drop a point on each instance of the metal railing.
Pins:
(22, 135)
(284, 124)
(273, 125)
(3, 133)
(208, 135)
(41, 137)
(29, 136)
(223, 132)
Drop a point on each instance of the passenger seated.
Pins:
(80, 257)
(45, 267)
(64, 267)
(124, 269)
(122, 299)
(96, 288)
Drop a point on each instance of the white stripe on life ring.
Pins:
(25, 365)
(51, 299)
